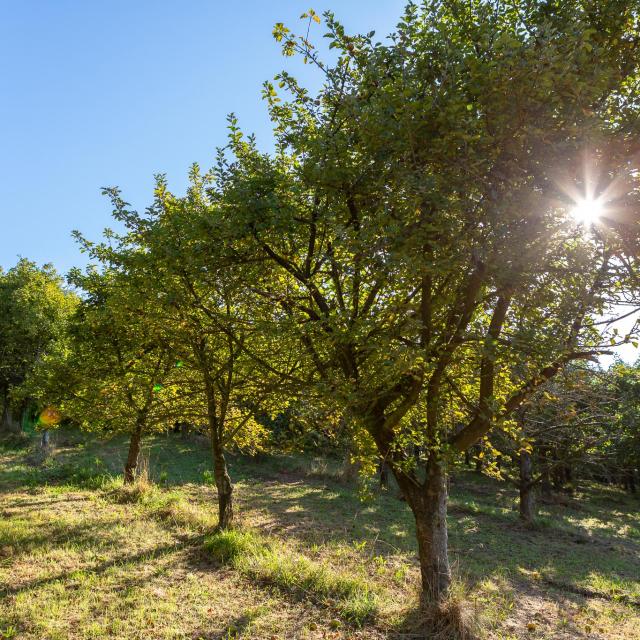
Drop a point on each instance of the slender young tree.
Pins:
(564, 431)
(202, 297)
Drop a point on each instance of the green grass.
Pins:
(353, 598)
(83, 557)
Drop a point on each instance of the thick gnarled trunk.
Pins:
(429, 506)
(427, 499)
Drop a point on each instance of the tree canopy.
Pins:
(34, 307)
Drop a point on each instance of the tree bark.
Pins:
(527, 504)
(545, 483)
(383, 471)
(220, 469)
(429, 506)
(428, 502)
(8, 424)
(225, 489)
(131, 464)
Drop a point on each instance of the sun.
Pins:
(587, 211)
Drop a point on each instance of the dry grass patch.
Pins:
(103, 570)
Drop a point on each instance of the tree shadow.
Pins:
(28, 505)
(483, 539)
(186, 542)
(53, 533)
(485, 534)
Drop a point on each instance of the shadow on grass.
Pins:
(484, 539)
(27, 505)
(485, 535)
(52, 534)
(192, 542)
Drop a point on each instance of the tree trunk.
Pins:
(225, 489)
(567, 478)
(429, 506)
(527, 507)
(8, 424)
(427, 499)
(479, 462)
(545, 483)
(557, 476)
(629, 481)
(131, 465)
(383, 470)
(216, 441)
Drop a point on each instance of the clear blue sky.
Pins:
(104, 93)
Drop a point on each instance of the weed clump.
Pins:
(129, 493)
(450, 620)
(168, 506)
(228, 546)
(455, 618)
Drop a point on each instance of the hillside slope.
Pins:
(82, 558)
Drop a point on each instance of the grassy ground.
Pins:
(82, 558)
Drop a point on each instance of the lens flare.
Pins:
(587, 211)
(49, 417)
